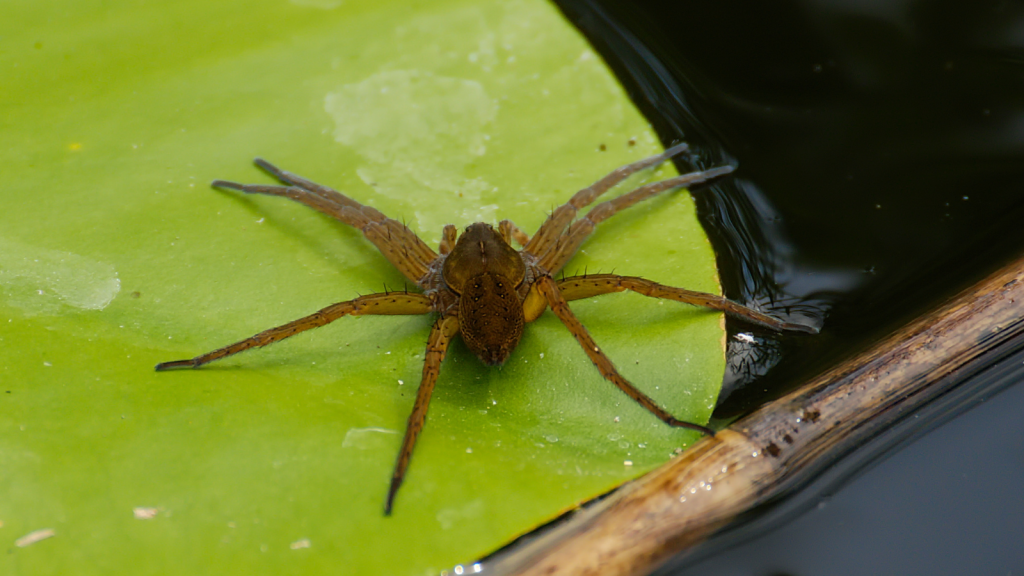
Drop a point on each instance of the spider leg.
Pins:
(399, 245)
(552, 228)
(371, 304)
(566, 245)
(296, 180)
(509, 231)
(577, 287)
(437, 346)
(560, 307)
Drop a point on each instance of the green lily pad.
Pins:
(115, 254)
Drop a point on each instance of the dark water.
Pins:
(880, 146)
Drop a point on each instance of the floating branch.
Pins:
(782, 445)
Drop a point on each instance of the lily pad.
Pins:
(115, 254)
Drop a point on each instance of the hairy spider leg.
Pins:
(552, 228)
(509, 232)
(406, 252)
(296, 180)
(400, 230)
(577, 287)
(389, 236)
(566, 246)
(391, 303)
(441, 335)
(549, 289)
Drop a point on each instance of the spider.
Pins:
(482, 288)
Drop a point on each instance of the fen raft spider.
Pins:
(482, 288)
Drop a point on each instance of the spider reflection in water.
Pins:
(483, 289)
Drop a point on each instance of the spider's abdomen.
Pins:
(490, 317)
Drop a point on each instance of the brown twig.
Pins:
(781, 445)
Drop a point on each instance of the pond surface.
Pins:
(880, 154)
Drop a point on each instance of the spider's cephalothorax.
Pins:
(484, 289)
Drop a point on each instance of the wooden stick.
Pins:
(779, 446)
